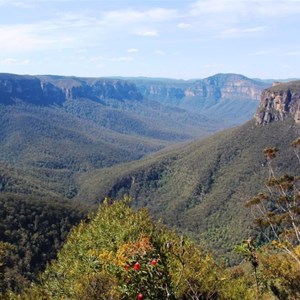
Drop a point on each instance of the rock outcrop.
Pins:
(279, 102)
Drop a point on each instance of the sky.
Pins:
(182, 39)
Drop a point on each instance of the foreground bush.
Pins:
(123, 254)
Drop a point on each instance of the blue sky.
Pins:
(168, 38)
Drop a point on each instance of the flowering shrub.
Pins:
(141, 276)
(123, 254)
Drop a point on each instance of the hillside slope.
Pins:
(202, 188)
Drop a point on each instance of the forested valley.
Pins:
(106, 194)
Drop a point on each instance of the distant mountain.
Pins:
(232, 98)
(48, 90)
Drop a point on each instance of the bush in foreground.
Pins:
(123, 254)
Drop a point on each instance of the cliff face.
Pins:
(48, 90)
(232, 98)
(279, 102)
(45, 90)
(226, 86)
(219, 86)
(28, 89)
(98, 89)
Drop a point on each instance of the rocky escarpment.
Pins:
(28, 89)
(96, 89)
(217, 87)
(279, 102)
(232, 98)
(226, 86)
(49, 90)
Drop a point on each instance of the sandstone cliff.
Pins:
(279, 102)
(48, 90)
(217, 87)
(226, 86)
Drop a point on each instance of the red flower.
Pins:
(137, 266)
(140, 296)
(127, 267)
(153, 262)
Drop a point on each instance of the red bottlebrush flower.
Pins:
(140, 296)
(137, 266)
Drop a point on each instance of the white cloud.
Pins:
(13, 61)
(140, 16)
(133, 50)
(184, 25)
(80, 51)
(238, 32)
(212, 66)
(277, 8)
(212, 16)
(96, 58)
(293, 53)
(159, 52)
(148, 33)
(23, 4)
(122, 58)
(27, 3)
(245, 8)
(60, 31)
(263, 52)
(8, 61)
(203, 7)
(18, 37)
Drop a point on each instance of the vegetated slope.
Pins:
(55, 127)
(202, 188)
(51, 145)
(232, 98)
(16, 180)
(33, 230)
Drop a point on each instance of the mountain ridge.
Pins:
(230, 97)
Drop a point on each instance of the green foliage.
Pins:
(278, 209)
(120, 253)
(31, 231)
(278, 216)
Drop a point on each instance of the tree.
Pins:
(277, 214)
(277, 211)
